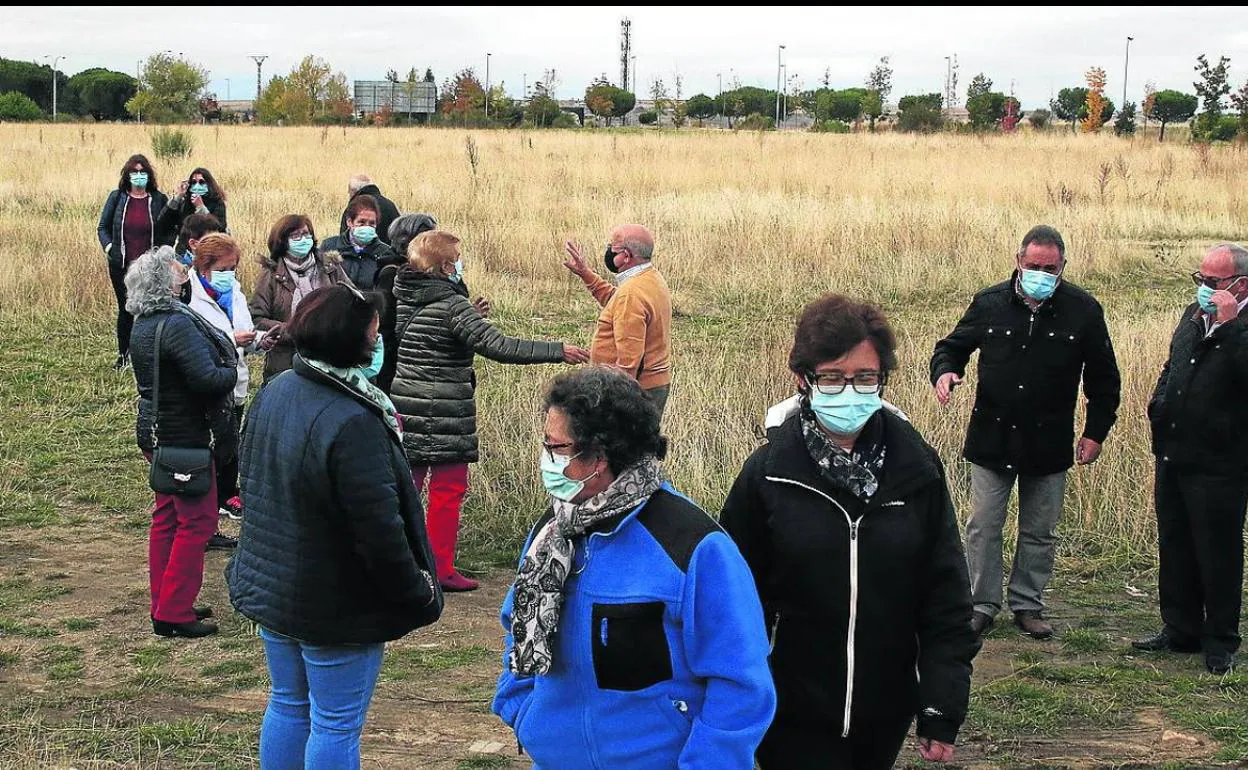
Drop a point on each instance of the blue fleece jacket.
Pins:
(660, 659)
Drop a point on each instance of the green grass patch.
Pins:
(1083, 641)
(61, 662)
(228, 668)
(79, 624)
(408, 662)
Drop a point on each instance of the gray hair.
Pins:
(407, 227)
(1239, 255)
(638, 248)
(149, 282)
(358, 182)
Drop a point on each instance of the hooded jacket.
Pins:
(438, 332)
(868, 604)
(360, 266)
(389, 212)
(270, 304)
(113, 217)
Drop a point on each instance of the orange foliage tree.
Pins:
(1096, 100)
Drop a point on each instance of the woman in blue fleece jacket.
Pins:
(634, 633)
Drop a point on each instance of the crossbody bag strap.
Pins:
(160, 329)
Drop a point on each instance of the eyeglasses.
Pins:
(833, 383)
(1200, 279)
(549, 449)
(299, 234)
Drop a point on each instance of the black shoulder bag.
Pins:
(176, 470)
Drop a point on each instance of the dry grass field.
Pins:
(749, 227)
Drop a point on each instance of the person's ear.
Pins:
(800, 382)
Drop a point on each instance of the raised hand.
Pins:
(483, 306)
(1228, 306)
(575, 261)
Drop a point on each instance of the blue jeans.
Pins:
(318, 703)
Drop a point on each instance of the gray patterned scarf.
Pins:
(306, 273)
(537, 596)
(857, 472)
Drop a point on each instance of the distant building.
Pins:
(243, 109)
(401, 97)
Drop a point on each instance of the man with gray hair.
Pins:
(1198, 415)
(635, 326)
(1037, 335)
(360, 184)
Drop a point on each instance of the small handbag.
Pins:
(186, 472)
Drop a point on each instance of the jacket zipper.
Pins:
(853, 596)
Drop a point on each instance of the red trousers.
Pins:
(447, 486)
(181, 528)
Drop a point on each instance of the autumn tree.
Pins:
(169, 89)
(462, 95)
(608, 101)
(1093, 120)
(310, 92)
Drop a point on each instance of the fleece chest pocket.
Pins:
(630, 648)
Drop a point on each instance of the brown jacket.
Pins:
(271, 301)
(635, 327)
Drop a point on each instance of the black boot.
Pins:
(1166, 641)
(193, 630)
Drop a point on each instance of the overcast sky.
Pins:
(1038, 49)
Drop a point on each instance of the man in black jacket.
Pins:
(1038, 336)
(359, 244)
(360, 184)
(1198, 412)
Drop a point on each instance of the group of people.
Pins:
(829, 609)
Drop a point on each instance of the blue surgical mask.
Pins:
(846, 412)
(1038, 284)
(222, 280)
(200, 189)
(458, 275)
(299, 247)
(138, 179)
(557, 484)
(1204, 296)
(364, 234)
(187, 258)
(379, 356)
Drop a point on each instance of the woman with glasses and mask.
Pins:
(197, 194)
(844, 516)
(292, 270)
(127, 230)
(632, 611)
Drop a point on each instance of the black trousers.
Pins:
(873, 746)
(125, 321)
(227, 472)
(1200, 540)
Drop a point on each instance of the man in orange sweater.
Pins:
(635, 327)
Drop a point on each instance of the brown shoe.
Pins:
(1033, 624)
(981, 622)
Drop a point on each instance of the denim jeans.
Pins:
(318, 703)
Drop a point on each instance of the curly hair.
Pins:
(149, 282)
(608, 413)
(834, 324)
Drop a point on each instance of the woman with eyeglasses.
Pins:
(127, 230)
(633, 632)
(845, 518)
(292, 270)
(197, 194)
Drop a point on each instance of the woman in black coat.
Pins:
(197, 194)
(845, 519)
(197, 366)
(127, 229)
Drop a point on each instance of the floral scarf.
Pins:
(537, 596)
(857, 472)
(359, 384)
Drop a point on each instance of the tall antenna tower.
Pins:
(259, 60)
(626, 50)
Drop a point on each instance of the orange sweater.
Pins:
(635, 327)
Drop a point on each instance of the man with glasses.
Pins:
(635, 326)
(1198, 414)
(1037, 336)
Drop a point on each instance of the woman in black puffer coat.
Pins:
(198, 194)
(439, 331)
(198, 369)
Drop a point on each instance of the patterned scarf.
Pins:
(357, 382)
(306, 274)
(538, 593)
(857, 472)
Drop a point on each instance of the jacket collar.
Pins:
(1044, 308)
(609, 527)
(302, 369)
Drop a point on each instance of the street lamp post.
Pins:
(487, 85)
(227, 89)
(779, 55)
(1126, 60)
(54, 61)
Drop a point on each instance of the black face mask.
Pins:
(185, 296)
(609, 259)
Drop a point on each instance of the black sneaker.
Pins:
(981, 622)
(233, 508)
(1220, 663)
(1166, 641)
(222, 542)
(193, 630)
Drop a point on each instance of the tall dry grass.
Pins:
(749, 227)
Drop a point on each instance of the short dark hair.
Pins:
(197, 226)
(331, 325)
(134, 160)
(834, 324)
(362, 203)
(608, 413)
(1044, 236)
(282, 229)
(214, 189)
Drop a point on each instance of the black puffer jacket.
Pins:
(858, 596)
(389, 212)
(169, 224)
(113, 216)
(1030, 365)
(197, 376)
(334, 548)
(1199, 408)
(361, 267)
(439, 331)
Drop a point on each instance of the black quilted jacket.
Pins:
(197, 376)
(334, 548)
(439, 331)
